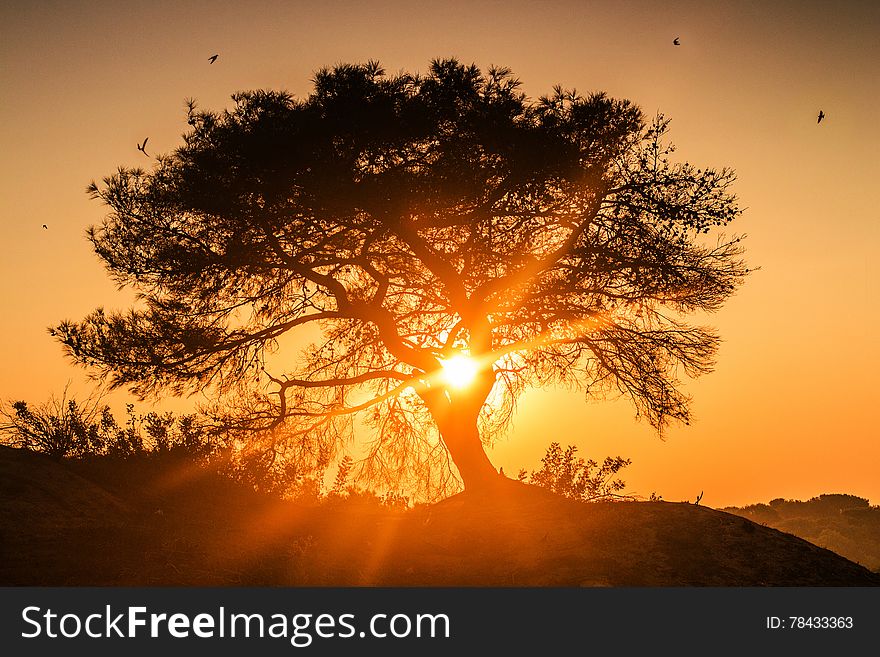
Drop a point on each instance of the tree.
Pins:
(450, 242)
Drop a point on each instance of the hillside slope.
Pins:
(845, 524)
(528, 537)
(188, 528)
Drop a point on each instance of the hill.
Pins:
(845, 524)
(63, 523)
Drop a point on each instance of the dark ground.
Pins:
(158, 526)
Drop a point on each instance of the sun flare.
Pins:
(459, 371)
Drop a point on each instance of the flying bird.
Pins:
(821, 116)
(45, 227)
(143, 147)
(213, 58)
(676, 41)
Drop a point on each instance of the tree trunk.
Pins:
(456, 413)
(462, 439)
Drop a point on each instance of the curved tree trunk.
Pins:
(462, 439)
(456, 413)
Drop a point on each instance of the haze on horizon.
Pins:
(788, 411)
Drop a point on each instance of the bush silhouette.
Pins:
(567, 474)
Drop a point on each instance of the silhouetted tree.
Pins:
(406, 220)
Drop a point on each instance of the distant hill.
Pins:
(149, 523)
(845, 524)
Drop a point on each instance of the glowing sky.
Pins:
(791, 410)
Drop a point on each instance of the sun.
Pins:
(459, 371)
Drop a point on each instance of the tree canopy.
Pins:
(409, 219)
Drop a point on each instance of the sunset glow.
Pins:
(459, 371)
(743, 90)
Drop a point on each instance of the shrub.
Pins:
(60, 427)
(566, 474)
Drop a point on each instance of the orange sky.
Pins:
(791, 408)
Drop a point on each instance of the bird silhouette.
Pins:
(213, 58)
(143, 147)
(676, 41)
(45, 227)
(821, 116)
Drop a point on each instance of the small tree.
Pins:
(450, 241)
(340, 483)
(567, 474)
